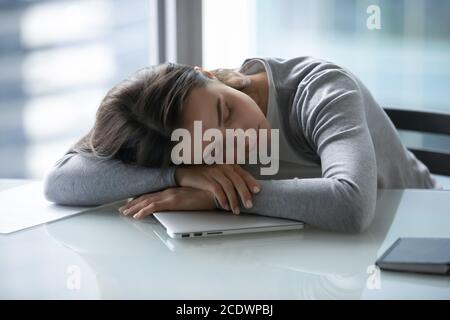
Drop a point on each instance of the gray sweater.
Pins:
(327, 116)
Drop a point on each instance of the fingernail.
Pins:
(125, 212)
(248, 204)
(120, 209)
(256, 189)
(236, 210)
(136, 216)
(227, 207)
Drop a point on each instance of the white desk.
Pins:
(117, 257)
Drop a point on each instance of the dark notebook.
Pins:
(424, 255)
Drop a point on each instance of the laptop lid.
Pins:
(207, 223)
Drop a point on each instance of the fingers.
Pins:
(134, 209)
(134, 206)
(241, 187)
(251, 182)
(230, 192)
(135, 201)
(217, 190)
(233, 183)
(149, 209)
(145, 207)
(229, 184)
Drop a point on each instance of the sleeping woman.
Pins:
(336, 145)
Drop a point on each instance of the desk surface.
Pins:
(102, 254)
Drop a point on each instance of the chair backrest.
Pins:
(428, 122)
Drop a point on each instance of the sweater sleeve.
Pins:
(79, 180)
(331, 115)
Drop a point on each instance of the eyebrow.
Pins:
(219, 112)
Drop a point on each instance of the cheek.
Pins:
(246, 109)
(249, 118)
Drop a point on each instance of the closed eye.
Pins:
(229, 113)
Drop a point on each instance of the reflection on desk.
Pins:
(136, 259)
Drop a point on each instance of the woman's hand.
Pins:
(178, 198)
(224, 181)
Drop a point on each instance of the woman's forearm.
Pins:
(80, 180)
(326, 203)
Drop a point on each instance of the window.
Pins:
(57, 60)
(405, 63)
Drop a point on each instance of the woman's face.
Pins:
(222, 107)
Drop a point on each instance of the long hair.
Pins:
(135, 119)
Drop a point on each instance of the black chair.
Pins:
(427, 122)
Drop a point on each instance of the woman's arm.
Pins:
(332, 118)
(79, 180)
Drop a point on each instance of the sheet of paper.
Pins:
(25, 206)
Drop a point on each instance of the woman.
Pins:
(337, 146)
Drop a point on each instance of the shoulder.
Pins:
(283, 66)
(325, 83)
(328, 98)
(307, 74)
